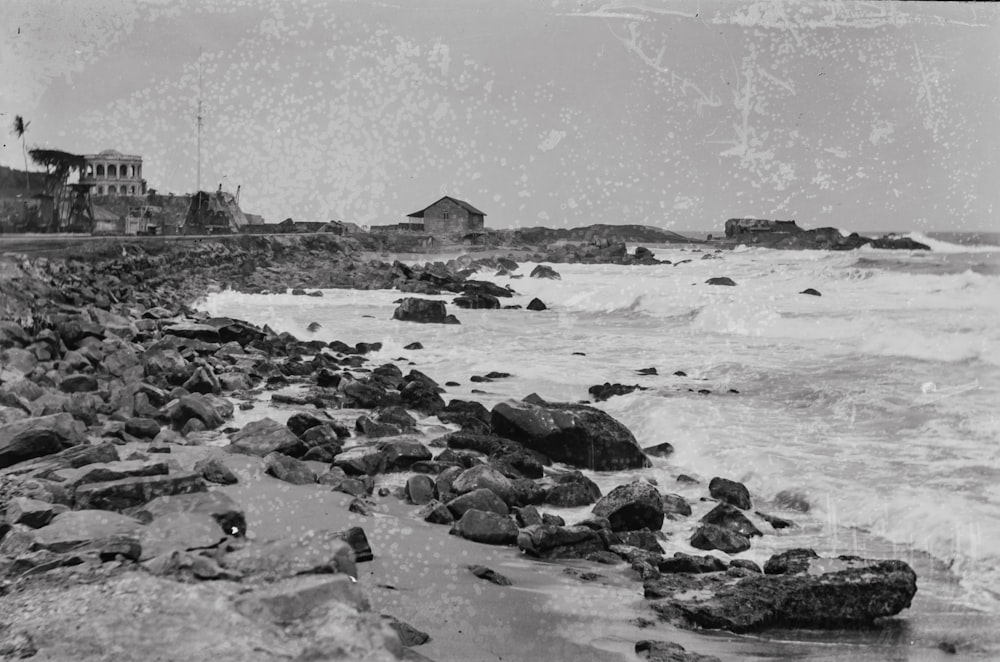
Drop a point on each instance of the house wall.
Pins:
(436, 223)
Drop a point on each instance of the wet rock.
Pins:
(892, 241)
(477, 301)
(413, 346)
(721, 280)
(664, 449)
(37, 436)
(550, 541)
(408, 635)
(572, 490)
(214, 471)
(479, 499)
(266, 436)
(487, 527)
(686, 563)
(544, 271)
(425, 311)
(436, 512)
(643, 539)
(193, 331)
(792, 500)
(402, 454)
(527, 516)
(288, 469)
(143, 428)
(728, 517)
(675, 506)
(361, 460)
(203, 380)
(536, 304)
(196, 406)
(79, 384)
(485, 477)
(101, 472)
(578, 435)
(631, 507)
(601, 392)
(419, 489)
(731, 492)
(775, 521)
(127, 493)
(667, 651)
(420, 396)
(710, 536)
(489, 575)
(811, 291)
(842, 592)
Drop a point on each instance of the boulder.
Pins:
(478, 499)
(214, 471)
(486, 527)
(729, 491)
(578, 435)
(361, 460)
(100, 472)
(76, 529)
(419, 489)
(668, 651)
(844, 592)
(476, 301)
(483, 476)
(420, 396)
(675, 506)
(143, 428)
(572, 490)
(192, 331)
(631, 507)
(550, 541)
(681, 562)
(401, 454)
(289, 469)
(436, 512)
(29, 438)
(544, 271)
(711, 536)
(728, 517)
(317, 552)
(721, 280)
(196, 406)
(181, 531)
(426, 311)
(127, 493)
(536, 304)
(266, 436)
(31, 512)
(78, 384)
(812, 292)
(217, 505)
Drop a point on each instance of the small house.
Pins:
(447, 216)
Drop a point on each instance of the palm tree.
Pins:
(20, 128)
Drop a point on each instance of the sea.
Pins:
(869, 416)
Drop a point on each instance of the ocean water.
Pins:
(877, 403)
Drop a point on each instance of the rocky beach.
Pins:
(182, 486)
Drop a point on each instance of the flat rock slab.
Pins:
(128, 493)
(265, 436)
(298, 598)
(106, 471)
(842, 592)
(218, 505)
(77, 528)
(319, 552)
(179, 531)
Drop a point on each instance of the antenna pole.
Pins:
(200, 118)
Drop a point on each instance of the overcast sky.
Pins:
(874, 115)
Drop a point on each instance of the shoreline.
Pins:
(231, 266)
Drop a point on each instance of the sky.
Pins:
(675, 113)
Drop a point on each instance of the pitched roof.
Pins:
(461, 203)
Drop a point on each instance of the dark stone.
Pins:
(289, 469)
(485, 477)
(401, 454)
(721, 280)
(408, 635)
(143, 428)
(675, 506)
(361, 460)
(423, 397)
(436, 512)
(731, 492)
(792, 501)
(214, 471)
(489, 575)
(664, 449)
(477, 301)
(35, 437)
(266, 436)
(486, 527)
(571, 490)
(601, 392)
(537, 305)
(728, 517)
(775, 521)
(419, 489)
(667, 651)
(792, 561)
(128, 493)
(79, 384)
(425, 311)
(828, 593)
(643, 539)
(302, 421)
(551, 541)
(544, 271)
(811, 291)
(480, 499)
(631, 507)
(686, 563)
(711, 536)
(413, 345)
(578, 435)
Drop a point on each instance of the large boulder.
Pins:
(479, 499)
(820, 593)
(731, 492)
(426, 311)
(29, 438)
(266, 436)
(485, 476)
(486, 527)
(544, 271)
(549, 541)
(578, 435)
(632, 507)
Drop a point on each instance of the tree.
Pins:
(58, 166)
(20, 128)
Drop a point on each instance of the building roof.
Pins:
(461, 203)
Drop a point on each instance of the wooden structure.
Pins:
(447, 216)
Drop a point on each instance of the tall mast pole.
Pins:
(200, 118)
